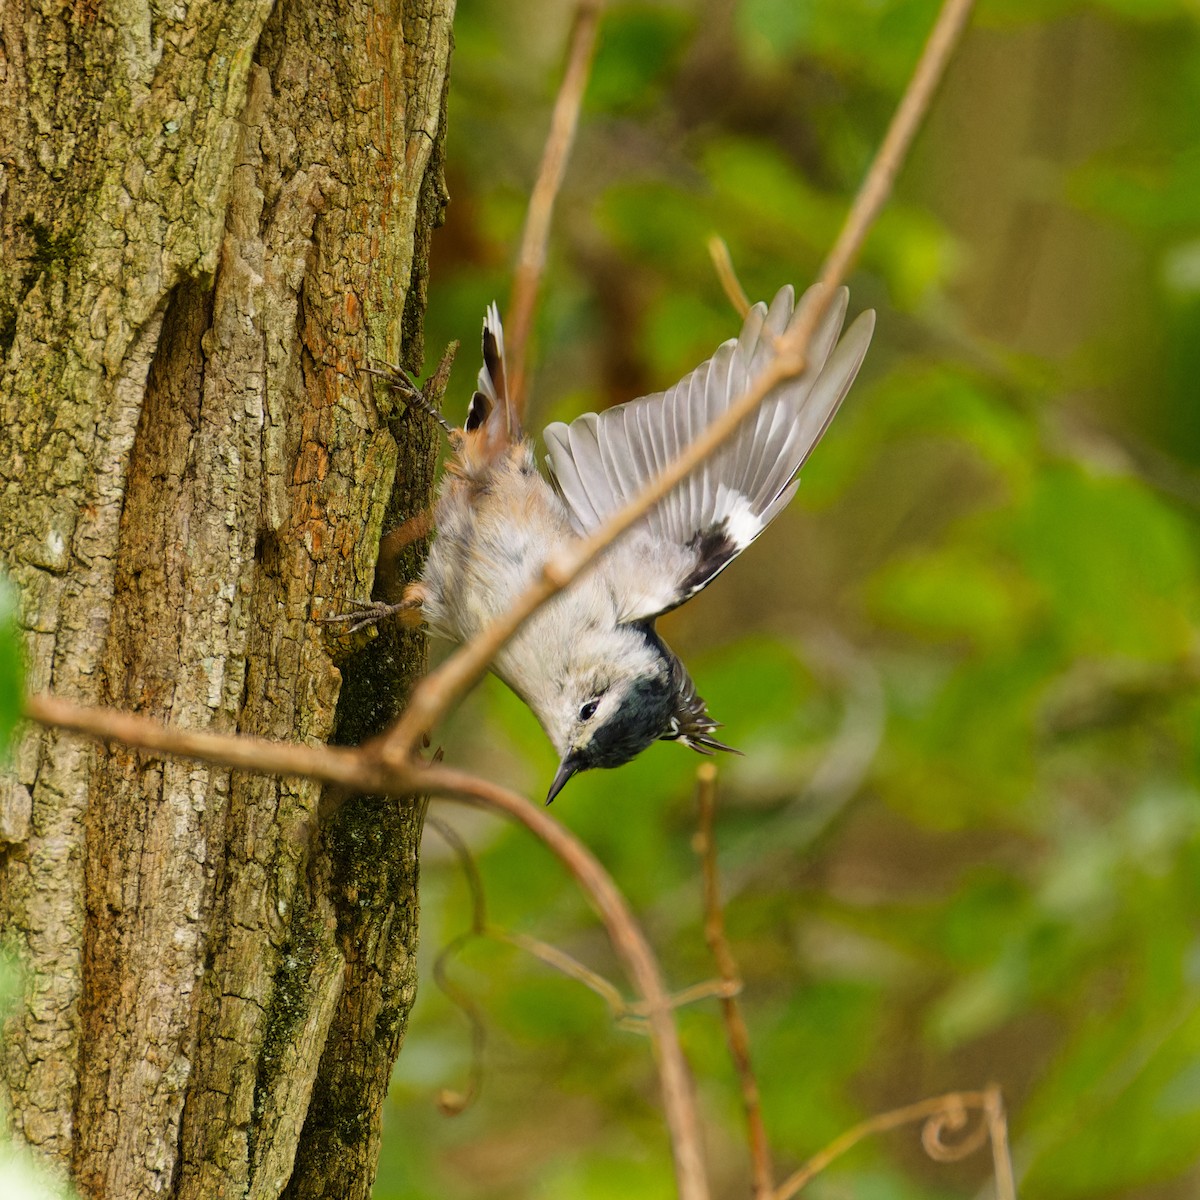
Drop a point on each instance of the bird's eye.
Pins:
(588, 711)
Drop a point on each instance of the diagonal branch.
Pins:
(444, 687)
(531, 258)
(628, 941)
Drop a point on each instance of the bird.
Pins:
(590, 663)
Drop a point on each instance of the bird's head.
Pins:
(618, 696)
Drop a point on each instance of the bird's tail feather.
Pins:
(492, 423)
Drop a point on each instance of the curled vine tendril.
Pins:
(940, 1115)
(953, 1120)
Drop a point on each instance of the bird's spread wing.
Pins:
(601, 461)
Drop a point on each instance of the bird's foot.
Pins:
(426, 397)
(360, 616)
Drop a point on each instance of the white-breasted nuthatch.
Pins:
(589, 662)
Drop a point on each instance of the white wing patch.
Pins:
(742, 523)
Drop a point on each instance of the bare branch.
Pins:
(626, 1015)
(544, 952)
(628, 941)
(442, 688)
(337, 765)
(1006, 1186)
(736, 1033)
(359, 771)
(560, 960)
(531, 259)
(722, 262)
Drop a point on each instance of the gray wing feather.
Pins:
(602, 461)
(570, 482)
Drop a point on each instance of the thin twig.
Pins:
(628, 941)
(722, 262)
(1006, 1186)
(736, 1033)
(544, 952)
(628, 1016)
(531, 258)
(560, 960)
(360, 772)
(452, 1103)
(708, 989)
(470, 871)
(442, 688)
(941, 1114)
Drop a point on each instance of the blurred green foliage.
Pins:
(964, 842)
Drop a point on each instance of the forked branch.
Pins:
(355, 771)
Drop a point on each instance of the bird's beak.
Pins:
(568, 767)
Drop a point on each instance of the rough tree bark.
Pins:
(210, 217)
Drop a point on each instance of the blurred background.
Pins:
(964, 842)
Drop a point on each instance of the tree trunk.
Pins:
(211, 217)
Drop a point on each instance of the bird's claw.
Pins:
(427, 398)
(361, 616)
